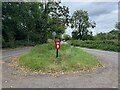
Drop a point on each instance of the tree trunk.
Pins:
(28, 39)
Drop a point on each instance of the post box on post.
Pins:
(57, 42)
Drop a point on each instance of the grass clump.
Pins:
(43, 58)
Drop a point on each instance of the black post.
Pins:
(56, 53)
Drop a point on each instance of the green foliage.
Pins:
(43, 58)
(66, 37)
(117, 25)
(20, 43)
(32, 21)
(111, 45)
(112, 35)
(80, 22)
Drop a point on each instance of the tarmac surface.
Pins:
(106, 77)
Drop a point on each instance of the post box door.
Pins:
(57, 44)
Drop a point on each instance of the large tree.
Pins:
(57, 18)
(19, 20)
(80, 23)
(32, 21)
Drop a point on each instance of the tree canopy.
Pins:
(117, 25)
(80, 23)
(32, 22)
(112, 35)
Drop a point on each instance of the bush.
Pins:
(20, 43)
(111, 45)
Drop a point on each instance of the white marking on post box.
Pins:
(57, 46)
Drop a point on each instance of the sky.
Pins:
(105, 14)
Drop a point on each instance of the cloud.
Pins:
(100, 8)
(93, 8)
(105, 14)
(106, 22)
(90, 1)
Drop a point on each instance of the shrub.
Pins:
(20, 43)
(111, 45)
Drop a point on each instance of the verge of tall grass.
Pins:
(43, 58)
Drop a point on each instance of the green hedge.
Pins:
(21, 43)
(110, 45)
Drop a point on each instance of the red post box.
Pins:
(57, 42)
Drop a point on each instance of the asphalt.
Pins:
(106, 77)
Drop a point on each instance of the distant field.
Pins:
(43, 58)
(110, 45)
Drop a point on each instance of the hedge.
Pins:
(110, 45)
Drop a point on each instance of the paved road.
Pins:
(104, 78)
(14, 52)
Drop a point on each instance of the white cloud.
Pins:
(105, 14)
(90, 1)
(106, 22)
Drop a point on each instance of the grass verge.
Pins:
(43, 58)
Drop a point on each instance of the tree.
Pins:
(19, 20)
(75, 35)
(54, 18)
(112, 35)
(32, 21)
(80, 23)
(58, 18)
(9, 22)
(66, 37)
(117, 25)
(101, 36)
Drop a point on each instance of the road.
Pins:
(103, 78)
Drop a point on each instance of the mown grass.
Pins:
(43, 58)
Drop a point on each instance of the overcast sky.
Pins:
(105, 14)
